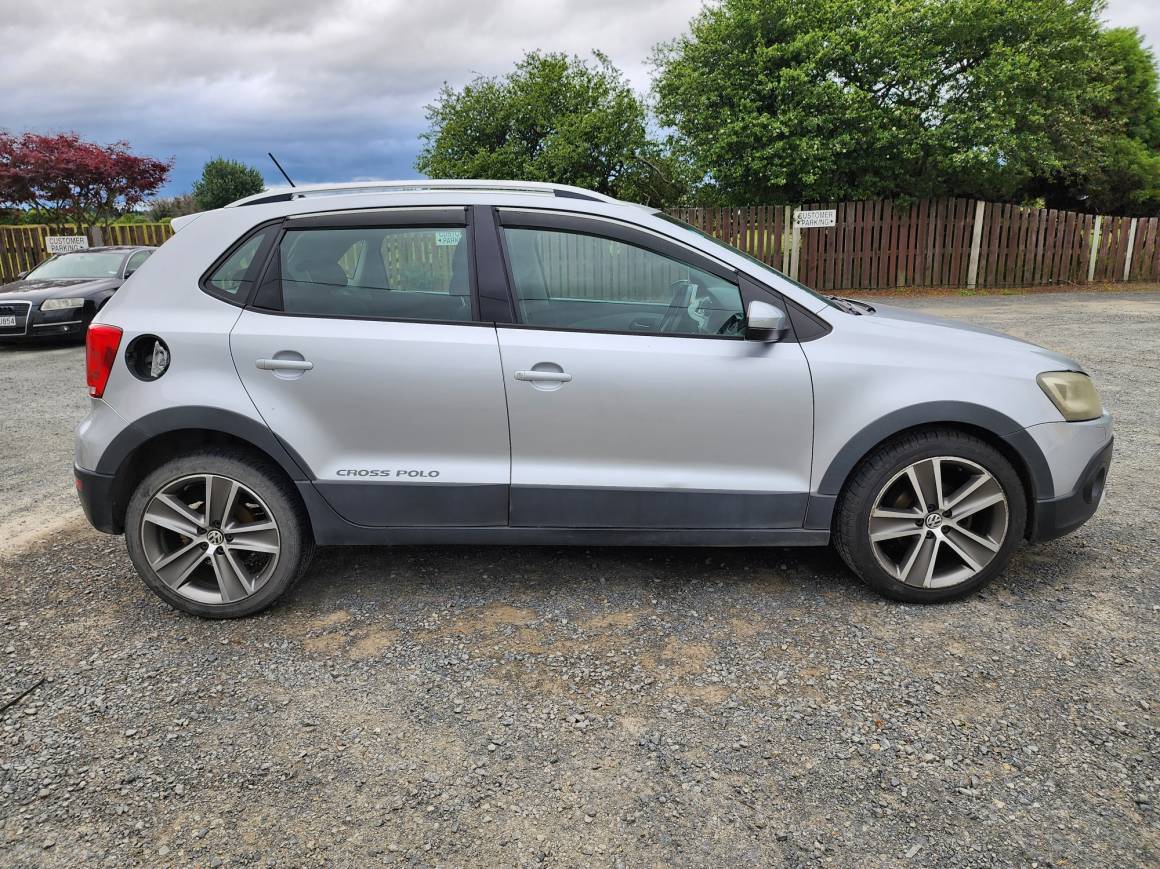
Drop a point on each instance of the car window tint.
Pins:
(410, 273)
(579, 281)
(230, 276)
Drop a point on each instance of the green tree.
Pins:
(554, 118)
(1121, 172)
(782, 101)
(223, 181)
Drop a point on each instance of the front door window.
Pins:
(572, 280)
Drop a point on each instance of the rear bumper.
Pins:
(96, 494)
(1055, 517)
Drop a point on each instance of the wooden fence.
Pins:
(23, 247)
(874, 244)
(878, 244)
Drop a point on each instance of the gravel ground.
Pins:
(44, 397)
(443, 706)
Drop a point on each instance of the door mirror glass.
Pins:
(765, 322)
(22, 276)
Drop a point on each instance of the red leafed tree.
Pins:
(70, 179)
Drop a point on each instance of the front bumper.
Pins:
(1061, 515)
(33, 324)
(96, 492)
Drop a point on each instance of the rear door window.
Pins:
(395, 272)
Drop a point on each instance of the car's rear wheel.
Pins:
(931, 516)
(217, 534)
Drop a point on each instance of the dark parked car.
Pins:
(60, 296)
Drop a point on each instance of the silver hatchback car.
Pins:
(518, 363)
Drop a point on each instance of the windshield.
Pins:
(752, 259)
(79, 265)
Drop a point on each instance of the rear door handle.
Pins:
(544, 376)
(284, 364)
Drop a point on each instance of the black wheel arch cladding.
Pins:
(175, 419)
(997, 425)
(127, 457)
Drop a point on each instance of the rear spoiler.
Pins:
(178, 222)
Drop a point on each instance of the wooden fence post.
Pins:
(98, 236)
(795, 244)
(786, 226)
(1131, 244)
(1091, 271)
(976, 240)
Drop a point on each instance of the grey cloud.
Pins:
(337, 88)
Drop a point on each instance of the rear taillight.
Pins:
(101, 344)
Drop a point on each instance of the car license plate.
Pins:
(7, 321)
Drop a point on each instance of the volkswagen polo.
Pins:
(519, 363)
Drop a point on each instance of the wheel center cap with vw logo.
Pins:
(216, 538)
(934, 520)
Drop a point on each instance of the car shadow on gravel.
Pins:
(354, 576)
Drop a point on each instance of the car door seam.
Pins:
(507, 415)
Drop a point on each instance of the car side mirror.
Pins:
(129, 273)
(22, 276)
(765, 322)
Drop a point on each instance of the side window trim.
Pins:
(493, 287)
(595, 226)
(456, 218)
(242, 299)
(383, 217)
(271, 272)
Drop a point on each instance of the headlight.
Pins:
(1073, 393)
(61, 304)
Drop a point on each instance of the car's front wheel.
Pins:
(217, 534)
(931, 516)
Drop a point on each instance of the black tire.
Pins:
(295, 537)
(851, 535)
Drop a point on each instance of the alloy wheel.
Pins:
(210, 539)
(938, 522)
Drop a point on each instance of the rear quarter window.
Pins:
(233, 276)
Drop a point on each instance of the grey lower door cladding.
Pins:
(551, 507)
(401, 505)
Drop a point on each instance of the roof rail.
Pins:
(355, 188)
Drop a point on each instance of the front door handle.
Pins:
(284, 364)
(544, 376)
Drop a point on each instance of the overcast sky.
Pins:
(335, 89)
